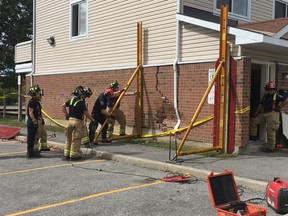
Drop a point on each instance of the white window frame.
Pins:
(85, 31)
(232, 15)
(281, 1)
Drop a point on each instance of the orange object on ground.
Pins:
(176, 178)
(225, 198)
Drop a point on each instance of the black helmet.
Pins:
(114, 84)
(87, 91)
(78, 91)
(34, 90)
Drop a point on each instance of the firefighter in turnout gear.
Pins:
(268, 111)
(74, 130)
(99, 113)
(41, 136)
(118, 114)
(33, 114)
(87, 92)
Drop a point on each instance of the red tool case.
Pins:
(225, 198)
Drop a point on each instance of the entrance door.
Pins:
(260, 75)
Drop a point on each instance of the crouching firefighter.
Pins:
(34, 114)
(74, 130)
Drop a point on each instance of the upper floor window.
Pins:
(79, 18)
(280, 9)
(239, 9)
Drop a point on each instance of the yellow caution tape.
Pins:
(246, 109)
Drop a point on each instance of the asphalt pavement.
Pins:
(251, 170)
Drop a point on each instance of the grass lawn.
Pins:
(16, 123)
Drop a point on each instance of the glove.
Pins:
(67, 117)
(112, 117)
(43, 122)
(35, 123)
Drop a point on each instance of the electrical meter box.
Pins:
(225, 198)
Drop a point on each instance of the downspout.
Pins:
(33, 41)
(175, 69)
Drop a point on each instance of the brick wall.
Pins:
(158, 96)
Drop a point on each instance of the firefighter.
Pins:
(74, 130)
(33, 114)
(268, 111)
(99, 113)
(118, 114)
(87, 94)
(41, 136)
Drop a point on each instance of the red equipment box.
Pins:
(277, 195)
(225, 198)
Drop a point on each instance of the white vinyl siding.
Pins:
(206, 5)
(23, 52)
(261, 10)
(112, 39)
(199, 43)
(264, 56)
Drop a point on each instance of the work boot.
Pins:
(106, 141)
(253, 138)
(33, 154)
(268, 150)
(65, 158)
(76, 158)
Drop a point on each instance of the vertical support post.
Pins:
(139, 98)
(222, 132)
(4, 105)
(19, 98)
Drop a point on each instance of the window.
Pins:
(236, 8)
(280, 9)
(78, 18)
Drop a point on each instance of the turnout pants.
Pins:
(41, 137)
(74, 135)
(272, 125)
(120, 118)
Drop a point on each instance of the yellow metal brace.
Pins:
(221, 70)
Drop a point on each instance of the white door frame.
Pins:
(268, 73)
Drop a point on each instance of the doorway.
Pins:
(260, 74)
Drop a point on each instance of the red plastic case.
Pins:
(225, 198)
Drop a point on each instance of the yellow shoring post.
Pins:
(221, 128)
(139, 81)
(117, 102)
(199, 108)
